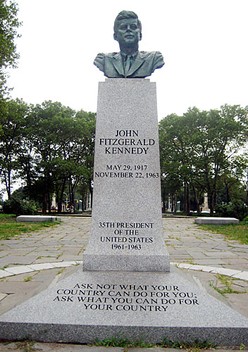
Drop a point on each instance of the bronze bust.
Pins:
(129, 62)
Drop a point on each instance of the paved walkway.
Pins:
(30, 263)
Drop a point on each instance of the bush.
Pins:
(20, 207)
(246, 219)
(236, 209)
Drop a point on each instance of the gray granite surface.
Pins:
(127, 231)
(132, 305)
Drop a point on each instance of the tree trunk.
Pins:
(7, 181)
(186, 205)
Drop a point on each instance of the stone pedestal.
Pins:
(127, 217)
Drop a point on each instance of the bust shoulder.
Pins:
(101, 57)
(154, 57)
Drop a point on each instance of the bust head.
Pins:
(129, 62)
(127, 30)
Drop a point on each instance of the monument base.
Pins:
(100, 262)
(90, 306)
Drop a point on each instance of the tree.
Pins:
(89, 126)
(49, 147)
(200, 146)
(12, 126)
(57, 153)
(73, 167)
(222, 135)
(47, 136)
(177, 154)
(9, 24)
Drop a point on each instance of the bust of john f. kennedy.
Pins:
(129, 62)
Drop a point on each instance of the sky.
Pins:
(204, 44)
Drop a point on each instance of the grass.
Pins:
(121, 342)
(166, 343)
(190, 346)
(28, 278)
(238, 232)
(26, 346)
(10, 228)
(225, 283)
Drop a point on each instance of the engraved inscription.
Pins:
(127, 133)
(126, 142)
(126, 171)
(127, 235)
(126, 297)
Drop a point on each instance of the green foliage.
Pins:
(63, 143)
(122, 342)
(50, 147)
(6, 217)
(182, 345)
(200, 150)
(245, 221)
(166, 343)
(230, 186)
(13, 122)
(28, 278)
(20, 206)
(237, 209)
(9, 24)
(26, 346)
(226, 285)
